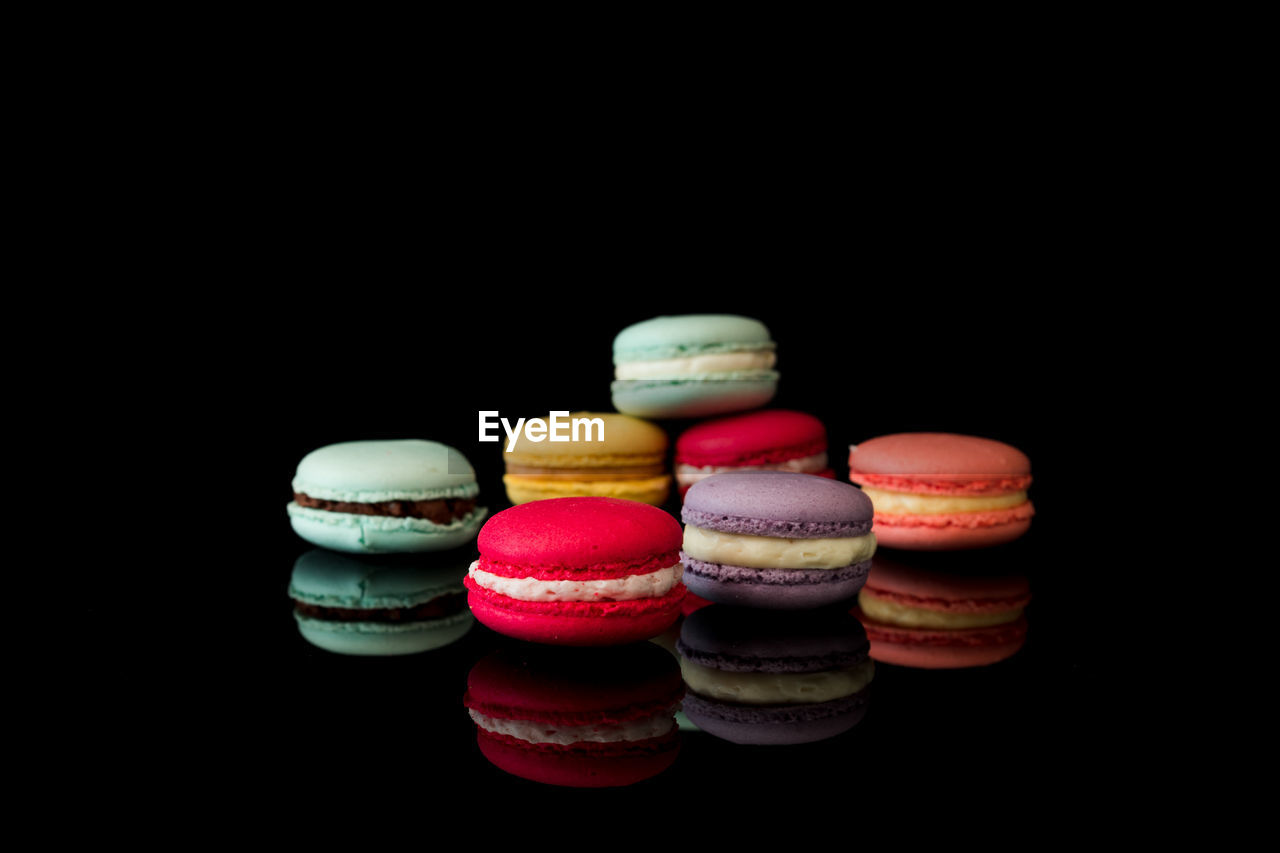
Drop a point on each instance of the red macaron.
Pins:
(941, 491)
(932, 620)
(578, 571)
(777, 439)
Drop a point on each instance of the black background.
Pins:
(868, 354)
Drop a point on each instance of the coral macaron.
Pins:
(776, 439)
(941, 491)
(578, 571)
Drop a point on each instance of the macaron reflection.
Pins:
(579, 717)
(773, 678)
(933, 620)
(379, 606)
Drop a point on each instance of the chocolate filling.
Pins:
(436, 608)
(438, 511)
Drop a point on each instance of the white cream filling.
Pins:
(772, 552)
(674, 368)
(687, 475)
(535, 732)
(776, 687)
(649, 585)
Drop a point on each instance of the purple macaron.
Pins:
(766, 678)
(776, 539)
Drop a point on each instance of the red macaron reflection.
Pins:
(927, 619)
(584, 718)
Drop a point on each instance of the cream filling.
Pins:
(905, 616)
(901, 503)
(687, 475)
(535, 732)
(648, 585)
(675, 368)
(764, 688)
(771, 552)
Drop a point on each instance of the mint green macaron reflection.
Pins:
(379, 605)
(383, 497)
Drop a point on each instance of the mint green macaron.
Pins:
(694, 365)
(379, 497)
(379, 605)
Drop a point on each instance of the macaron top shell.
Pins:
(757, 438)
(778, 503)
(675, 337)
(624, 436)
(377, 471)
(328, 579)
(938, 461)
(580, 533)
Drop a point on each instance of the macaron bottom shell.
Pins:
(373, 534)
(575, 623)
(691, 398)
(383, 638)
(927, 537)
(775, 589)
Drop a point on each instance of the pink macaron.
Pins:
(776, 439)
(937, 491)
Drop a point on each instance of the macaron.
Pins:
(624, 458)
(776, 539)
(378, 606)
(936, 491)
(694, 365)
(771, 677)
(776, 439)
(386, 497)
(585, 718)
(932, 620)
(580, 571)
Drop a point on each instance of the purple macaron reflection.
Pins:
(774, 677)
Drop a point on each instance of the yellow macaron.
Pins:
(628, 461)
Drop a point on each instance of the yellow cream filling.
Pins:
(764, 688)
(904, 616)
(771, 552)
(901, 503)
